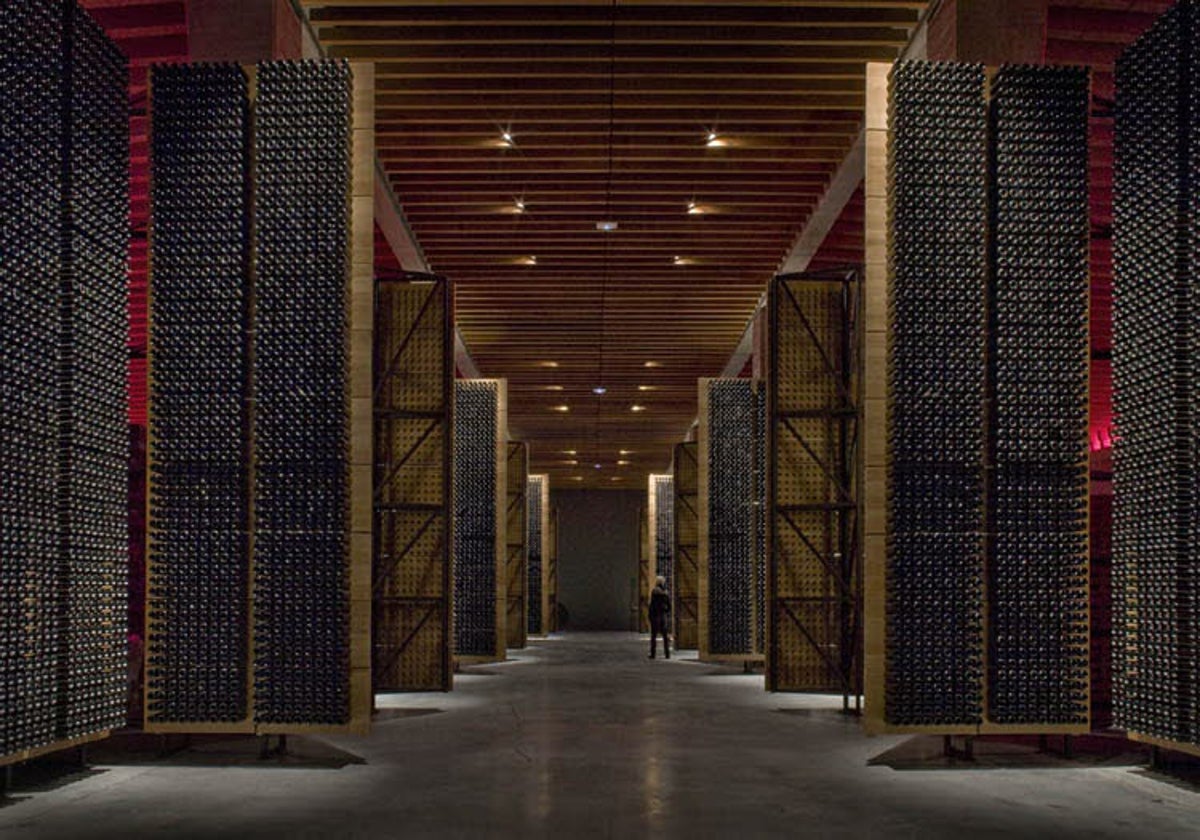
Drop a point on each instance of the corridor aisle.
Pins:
(583, 736)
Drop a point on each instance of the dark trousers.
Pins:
(658, 627)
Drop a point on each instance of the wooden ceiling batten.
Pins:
(610, 106)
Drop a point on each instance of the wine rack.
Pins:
(686, 573)
(814, 578)
(63, 660)
(551, 599)
(258, 563)
(1156, 610)
(732, 433)
(413, 479)
(301, 593)
(662, 507)
(936, 320)
(516, 582)
(198, 586)
(538, 494)
(480, 517)
(976, 543)
(1037, 584)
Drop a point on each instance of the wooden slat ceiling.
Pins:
(610, 106)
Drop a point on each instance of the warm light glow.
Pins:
(519, 205)
(552, 387)
(506, 138)
(550, 364)
(637, 408)
(572, 462)
(570, 452)
(714, 140)
(622, 463)
(682, 261)
(616, 478)
(577, 478)
(626, 452)
(651, 364)
(561, 408)
(530, 260)
(647, 387)
(694, 209)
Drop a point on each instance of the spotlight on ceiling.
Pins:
(562, 409)
(714, 140)
(694, 209)
(607, 227)
(506, 139)
(637, 408)
(599, 390)
(519, 205)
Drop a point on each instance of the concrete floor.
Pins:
(582, 736)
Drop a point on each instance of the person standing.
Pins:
(660, 616)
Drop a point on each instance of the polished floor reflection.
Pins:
(583, 736)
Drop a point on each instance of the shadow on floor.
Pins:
(926, 752)
(44, 774)
(138, 748)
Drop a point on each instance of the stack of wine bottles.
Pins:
(987, 366)
(93, 458)
(301, 478)
(62, 393)
(938, 273)
(1156, 345)
(476, 430)
(732, 577)
(533, 495)
(664, 528)
(198, 595)
(1037, 584)
(224, 337)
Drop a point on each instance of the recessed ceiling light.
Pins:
(599, 390)
(569, 452)
(607, 227)
(693, 208)
(714, 140)
(627, 452)
(651, 364)
(519, 205)
(682, 261)
(506, 138)
(637, 408)
(549, 364)
(561, 408)
(530, 260)
(647, 387)
(622, 463)
(597, 466)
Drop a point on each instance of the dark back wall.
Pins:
(598, 541)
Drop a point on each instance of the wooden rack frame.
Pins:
(814, 579)
(414, 414)
(686, 551)
(516, 585)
